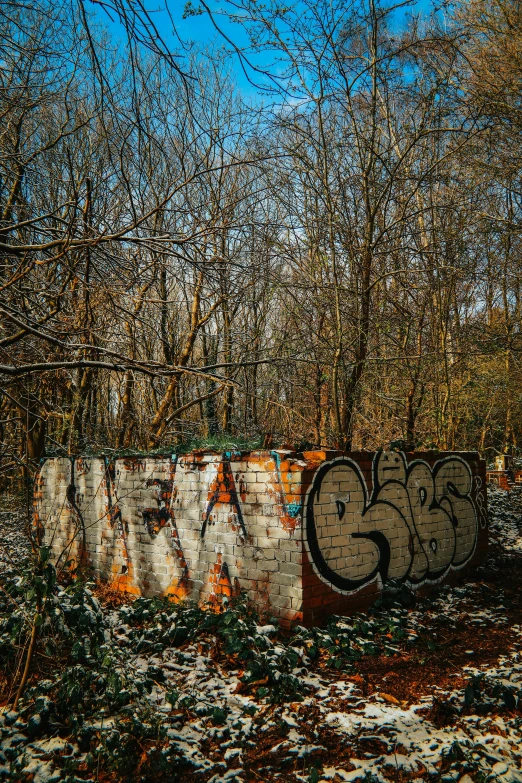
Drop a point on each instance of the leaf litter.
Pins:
(147, 690)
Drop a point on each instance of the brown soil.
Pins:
(420, 672)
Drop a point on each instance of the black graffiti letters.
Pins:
(417, 522)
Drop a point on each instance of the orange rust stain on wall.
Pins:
(221, 488)
(220, 582)
(178, 588)
(176, 592)
(223, 492)
(124, 582)
(285, 489)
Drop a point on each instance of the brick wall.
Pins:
(305, 534)
(504, 479)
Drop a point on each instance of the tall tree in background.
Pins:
(335, 261)
(366, 141)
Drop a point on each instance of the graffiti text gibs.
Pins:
(274, 523)
(416, 524)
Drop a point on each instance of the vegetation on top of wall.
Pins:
(217, 444)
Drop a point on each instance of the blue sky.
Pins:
(200, 31)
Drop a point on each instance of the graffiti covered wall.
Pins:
(305, 534)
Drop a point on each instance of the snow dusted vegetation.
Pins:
(146, 690)
(15, 546)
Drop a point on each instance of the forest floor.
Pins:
(150, 691)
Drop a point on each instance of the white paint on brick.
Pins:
(157, 525)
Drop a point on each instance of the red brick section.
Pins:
(505, 479)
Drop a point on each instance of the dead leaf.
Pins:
(389, 698)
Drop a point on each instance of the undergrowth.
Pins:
(85, 691)
(88, 703)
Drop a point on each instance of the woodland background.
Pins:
(331, 257)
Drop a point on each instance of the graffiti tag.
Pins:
(416, 523)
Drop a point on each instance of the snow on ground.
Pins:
(410, 741)
(505, 514)
(490, 745)
(471, 732)
(14, 542)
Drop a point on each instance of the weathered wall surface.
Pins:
(305, 534)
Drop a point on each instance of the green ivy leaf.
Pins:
(172, 697)
(469, 695)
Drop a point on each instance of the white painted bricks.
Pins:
(204, 525)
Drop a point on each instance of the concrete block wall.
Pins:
(305, 534)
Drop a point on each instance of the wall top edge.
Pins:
(309, 455)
